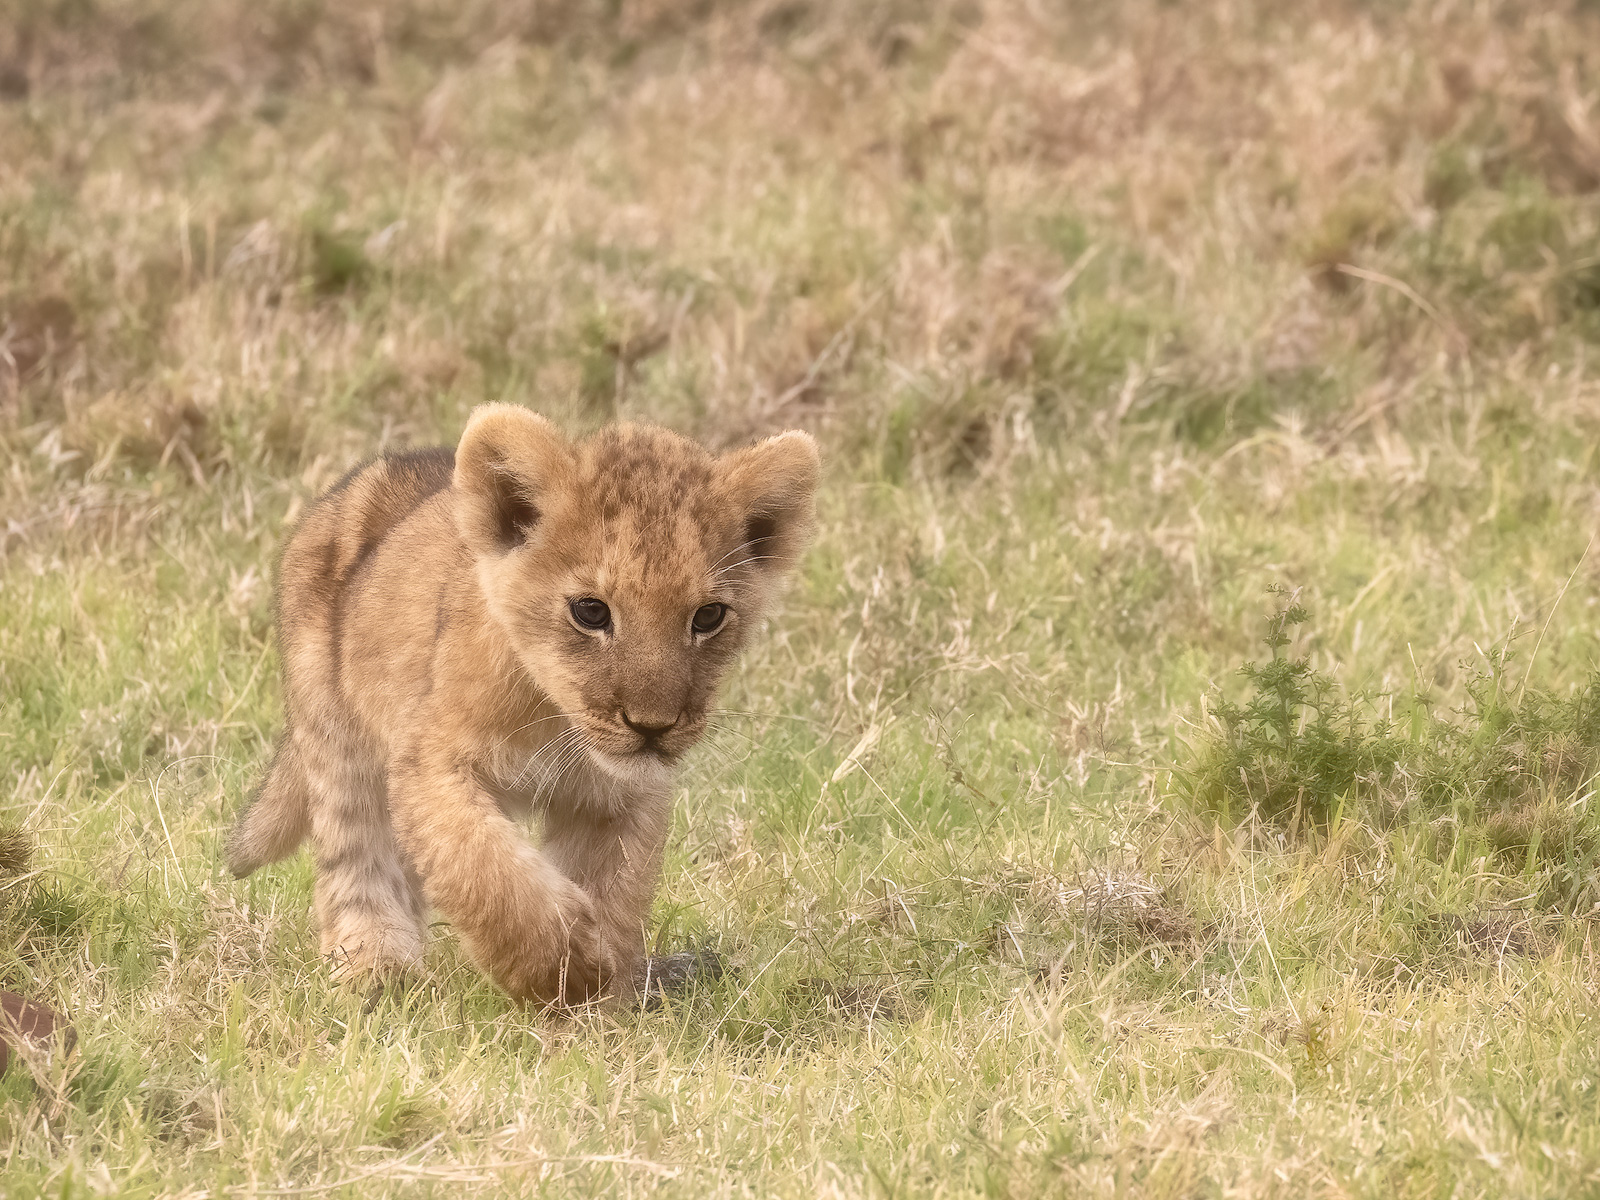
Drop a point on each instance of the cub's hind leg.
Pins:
(368, 899)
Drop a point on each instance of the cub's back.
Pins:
(333, 546)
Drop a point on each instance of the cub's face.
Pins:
(627, 570)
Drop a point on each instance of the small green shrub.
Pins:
(1296, 749)
(1452, 172)
(1511, 750)
(339, 262)
(1513, 767)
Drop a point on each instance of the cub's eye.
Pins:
(590, 613)
(708, 617)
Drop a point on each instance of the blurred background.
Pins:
(1344, 250)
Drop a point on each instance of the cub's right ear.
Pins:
(508, 462)
(772, 485)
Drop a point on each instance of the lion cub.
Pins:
(526, 625)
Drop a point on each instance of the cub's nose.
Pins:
(650, 731)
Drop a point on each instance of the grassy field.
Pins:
(1111, 317)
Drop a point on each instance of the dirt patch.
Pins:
(1492, 935)
(1124, 912)
(862, 1001)
(16, 850)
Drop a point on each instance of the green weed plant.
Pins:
(1297, 750)
(1514, 768)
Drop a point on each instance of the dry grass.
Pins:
(1108, 315)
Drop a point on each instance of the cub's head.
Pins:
(628, 569)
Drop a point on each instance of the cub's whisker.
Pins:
(545, 759)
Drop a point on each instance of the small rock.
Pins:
(667, 974)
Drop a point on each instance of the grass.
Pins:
(1109, 317)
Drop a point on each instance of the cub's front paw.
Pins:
(557, 957)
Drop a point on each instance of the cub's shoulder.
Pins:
(353, 517)
(339, 539)
(377, 495)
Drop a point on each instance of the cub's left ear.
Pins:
(773, 484)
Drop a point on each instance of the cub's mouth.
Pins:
(642, 766)
(630, 741)
(632, 751)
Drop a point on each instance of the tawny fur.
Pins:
(439, 690)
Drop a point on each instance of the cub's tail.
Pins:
(277, 817)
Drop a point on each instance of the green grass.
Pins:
(1109, 317)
